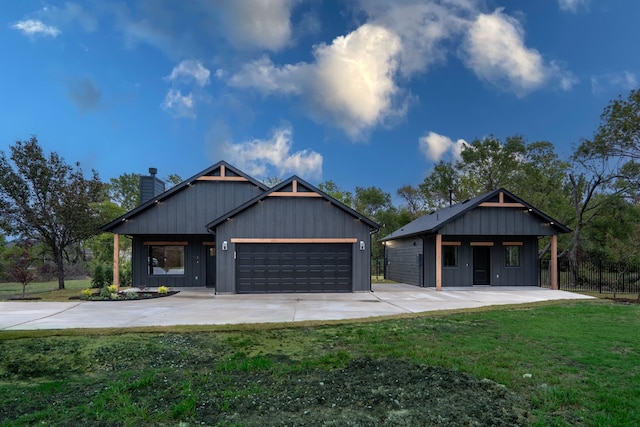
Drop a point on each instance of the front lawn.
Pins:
(46, 291)
(558, 364)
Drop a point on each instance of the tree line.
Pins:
(54, 210)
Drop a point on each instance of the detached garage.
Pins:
(225, 230)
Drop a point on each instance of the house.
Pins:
(491, 239)
(223, 229)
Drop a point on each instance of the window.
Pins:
(166, 260)
(512, 256)
(450, 256)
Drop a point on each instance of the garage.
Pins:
(293, 267)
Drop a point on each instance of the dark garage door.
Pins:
(293, 267)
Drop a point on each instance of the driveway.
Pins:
(199, 306)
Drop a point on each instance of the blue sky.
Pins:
(361, 92)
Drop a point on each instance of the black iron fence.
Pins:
(594, 276)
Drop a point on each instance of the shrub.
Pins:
(112, 288)
(97, 281)
(105, 293)
(132, 295)
(163, 290)
(86, 293)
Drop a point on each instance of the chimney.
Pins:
(150, 186)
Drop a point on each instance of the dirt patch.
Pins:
(365, 392)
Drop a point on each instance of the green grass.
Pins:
(577, 363)
(46, 291)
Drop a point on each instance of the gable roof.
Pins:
(434, 221)
(293, 187)
(221, 171)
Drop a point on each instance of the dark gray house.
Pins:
(223, 229)
(491, 239)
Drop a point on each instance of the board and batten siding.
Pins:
(497, 222)
(191, 209)
(194, 261)
(403, 261)
(524, 275)
(292, 218)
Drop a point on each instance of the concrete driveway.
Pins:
(198, 306)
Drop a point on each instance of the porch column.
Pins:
(553, 266)
(116, 261)
(438, 262)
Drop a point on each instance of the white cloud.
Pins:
(572, 5)
(435, 146)
(179, 105)
(350, 85)
(33, 27)
(259, 157)
(423, 27)
(625, 80)
(251, 24)
(494, 49)
(263, 75)
(190, 69)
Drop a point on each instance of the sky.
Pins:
(360, 92)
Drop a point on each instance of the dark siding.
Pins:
(497, 221)
(150, 187)
(191, 209)
(293, 217)
(403, 261)
(194, 260)
(462, 275)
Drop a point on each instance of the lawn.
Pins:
(551, 364)
(46, 291)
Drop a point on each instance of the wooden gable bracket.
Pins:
(294, 192)
(223, 176)
(501, 203)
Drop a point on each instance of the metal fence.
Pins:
(594, 276)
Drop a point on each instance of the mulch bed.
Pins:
(122, 296)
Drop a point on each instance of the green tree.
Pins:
(45, 199)
(124, 191)
(332, 189)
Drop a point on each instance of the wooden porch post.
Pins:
(553, 267)
(438, 262)
(116, 261)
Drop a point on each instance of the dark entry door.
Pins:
(481, 265)
(211, 266)
(293, 267)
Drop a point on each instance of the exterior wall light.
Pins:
(362, 245)
(225, 246)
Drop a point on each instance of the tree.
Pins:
(44, 199)
(415, 201)
(272, 181)
(332, 189)
(124, 191)
(172, 180)
(371, 200)
(19, 264)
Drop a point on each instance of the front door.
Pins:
(211, 266)
(481, 265)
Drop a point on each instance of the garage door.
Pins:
(293, 267)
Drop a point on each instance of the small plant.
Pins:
(105, 293)
(132, 295)
(86, 293)
(163, 290)
(112, 288)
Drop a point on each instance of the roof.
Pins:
(432, 222)
(210, 171)
(289, 187)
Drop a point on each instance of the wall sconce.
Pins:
(224, 245)
(362, 245)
